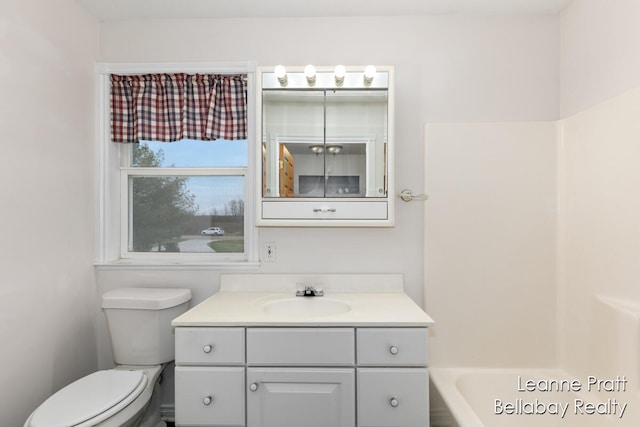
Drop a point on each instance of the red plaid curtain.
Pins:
(171, 107)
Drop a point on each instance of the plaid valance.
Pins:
(171, 107)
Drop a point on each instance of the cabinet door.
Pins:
(393, 397)
(281, 397)
(292, 121)
(357, 134)
(209, 396)
(287, 172)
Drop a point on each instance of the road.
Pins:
(197, 244)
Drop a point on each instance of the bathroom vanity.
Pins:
(256, 355)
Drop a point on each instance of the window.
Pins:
(184, 202)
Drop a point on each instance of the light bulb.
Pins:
(340, 72)
(281, 74)
(369, 74)
(334, 149)
(310, 74)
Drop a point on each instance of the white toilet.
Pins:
(139, 322)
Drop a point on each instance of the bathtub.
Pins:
(465, 397)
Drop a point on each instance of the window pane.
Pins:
(192, 214)
(190, 153)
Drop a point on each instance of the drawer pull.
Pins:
(324, 210)
(394, 402)
(253, 386)
(393, 350)
(207, 348)
(207, 400)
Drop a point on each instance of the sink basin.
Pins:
(306, 307)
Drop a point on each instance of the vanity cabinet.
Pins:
(302, 376)
(325, 148)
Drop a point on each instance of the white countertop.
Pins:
(373, 300)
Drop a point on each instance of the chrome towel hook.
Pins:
(408, 196)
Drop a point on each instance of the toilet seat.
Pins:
(90, 400)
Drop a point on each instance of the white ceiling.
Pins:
(115, 10)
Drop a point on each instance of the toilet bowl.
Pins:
(139, 321)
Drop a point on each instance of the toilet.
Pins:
(139, 323)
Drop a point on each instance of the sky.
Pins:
(211, 193)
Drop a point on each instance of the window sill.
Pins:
(126, 264)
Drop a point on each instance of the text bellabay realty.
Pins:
(579, 406)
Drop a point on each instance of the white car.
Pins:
(213, 231)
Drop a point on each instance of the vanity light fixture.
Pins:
(317, 148)
(334, 149)
(339, 73)
(369, 74)
(281, 74)
(310, 74)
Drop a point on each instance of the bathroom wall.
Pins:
(47, 284)
(599, 52)
(599, 236)
(448, 69)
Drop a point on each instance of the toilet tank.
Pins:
(139, 323)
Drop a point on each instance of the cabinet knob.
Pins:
(393, 350)
(207, 400)
(394, 402)
(207, 348)
(253, 386)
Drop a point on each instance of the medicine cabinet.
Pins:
(326, 146)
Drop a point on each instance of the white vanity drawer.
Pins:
(210, 396)
(392, 346)
(209, 346)
(393, 397)
(325, 209)
(300, 346)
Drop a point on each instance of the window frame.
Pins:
(114, 169)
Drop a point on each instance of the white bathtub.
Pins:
(463, 397)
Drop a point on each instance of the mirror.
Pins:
(324, 139)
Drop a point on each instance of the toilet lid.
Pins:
(90, 397)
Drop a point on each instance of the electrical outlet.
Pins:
(269, 254)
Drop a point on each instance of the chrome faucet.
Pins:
(309, 291)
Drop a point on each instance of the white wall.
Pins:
(599, 52)
(600, 177)
(448, 68)
(47, 286)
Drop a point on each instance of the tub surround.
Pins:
(356, 356)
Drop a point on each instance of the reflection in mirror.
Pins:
(324, 141)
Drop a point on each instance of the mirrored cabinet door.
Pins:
(325, 150)
(356, 143)
(293, 124)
